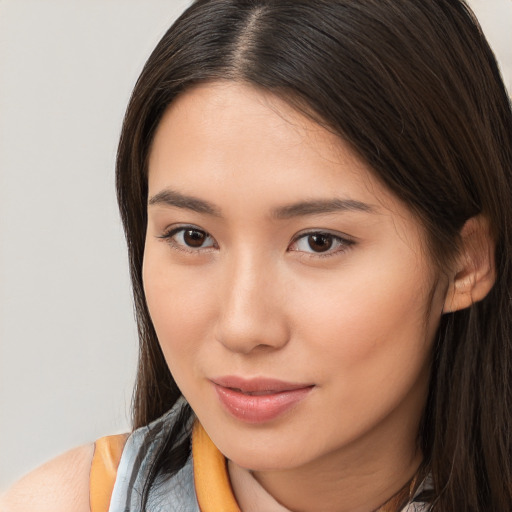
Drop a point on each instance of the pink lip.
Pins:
(258, 400)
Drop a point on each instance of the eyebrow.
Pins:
(318, 206)
(175, 199)
(170, 197)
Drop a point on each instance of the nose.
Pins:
(252, 310)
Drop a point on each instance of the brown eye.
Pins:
(189, 238)
(320, 242)
(194, 238)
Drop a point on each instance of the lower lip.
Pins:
(259, 408)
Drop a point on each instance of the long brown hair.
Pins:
(413, 86)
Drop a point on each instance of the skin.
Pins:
(60, 485)
(252, 298)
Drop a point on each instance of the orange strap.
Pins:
(107, 454)
(211, 479)
(213, 488)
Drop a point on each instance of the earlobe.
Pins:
(474, 271)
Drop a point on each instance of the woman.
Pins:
(316, 198)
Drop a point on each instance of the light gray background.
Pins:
(67, 335)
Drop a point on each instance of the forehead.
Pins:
(235, 143)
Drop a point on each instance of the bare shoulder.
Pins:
(59, 485)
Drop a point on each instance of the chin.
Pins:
(266, 456)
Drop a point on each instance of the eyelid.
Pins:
(344, 240)
(171, 231)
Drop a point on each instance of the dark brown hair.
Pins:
(414, 88)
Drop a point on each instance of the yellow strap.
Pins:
(107, 454)
(213, 488)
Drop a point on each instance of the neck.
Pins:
(340, 491)
(362, 477)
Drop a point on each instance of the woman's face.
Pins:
(292, 294)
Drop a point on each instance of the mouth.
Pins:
(255, 393)
(259, 400)
(258, 386)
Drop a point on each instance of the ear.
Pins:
(474, 273)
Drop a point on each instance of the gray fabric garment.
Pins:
(175, 494)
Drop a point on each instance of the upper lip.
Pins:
(257, 384)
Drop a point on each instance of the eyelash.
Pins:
(169, 235)
(343, 243)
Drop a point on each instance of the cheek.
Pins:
(368, 344)
(367, 323)
(181, 304)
